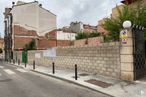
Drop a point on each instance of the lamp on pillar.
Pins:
(124, 33)
(127, 24)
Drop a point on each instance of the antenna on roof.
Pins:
(13, 3)
(40, 5)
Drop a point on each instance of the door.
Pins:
(24, 56)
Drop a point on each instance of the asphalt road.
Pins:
(17, 82)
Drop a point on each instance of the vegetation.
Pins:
(31, 45)
(83, 35)
(94, 34)
(135, 14)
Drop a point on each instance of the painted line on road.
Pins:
(21, 70)
(9, 71)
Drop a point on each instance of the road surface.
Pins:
(17, 82)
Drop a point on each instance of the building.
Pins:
(115, 12)
(133, 3)
(2, 43)
(24, 22)
(100, 27)
(63, 36)
(77, 27)
(89, 29)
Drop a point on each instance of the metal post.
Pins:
(33, 64)
(53, 68)
(13, 61)
(76, 72)
(25, 64)
(18, 61)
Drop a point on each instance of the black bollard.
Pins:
(33, 64)
(76, 72)
(53, 68)
(25, 64)
(13, 61)
(18, 61)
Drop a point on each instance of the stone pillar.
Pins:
(126, 55)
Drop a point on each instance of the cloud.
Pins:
(87, 11)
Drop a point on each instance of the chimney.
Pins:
(13, 3)
(40, 5)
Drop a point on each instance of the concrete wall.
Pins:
(65, 35)
(103, 59)
(33, 17)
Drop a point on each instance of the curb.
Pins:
(71, 82)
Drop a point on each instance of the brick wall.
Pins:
(80, 42)
(103, 59)
(64, 43)
(20, 42)
(45, 43)
(89, 41)
(18, 30)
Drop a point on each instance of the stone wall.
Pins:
(103, 59)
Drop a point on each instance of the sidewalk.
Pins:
(113, 87)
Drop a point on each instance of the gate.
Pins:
(138, 52)
(24, 56)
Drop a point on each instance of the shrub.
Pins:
(31, 45)
(94, 34)
(83, 35)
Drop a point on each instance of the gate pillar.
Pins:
(132, 53)
(126, 55)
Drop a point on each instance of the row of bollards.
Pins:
(53, 67)
(76, 70)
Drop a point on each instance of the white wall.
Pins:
(65, 35)
(33, 17)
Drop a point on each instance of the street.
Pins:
(17, 82)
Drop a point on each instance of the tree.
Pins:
(135, 14)
(31, 45)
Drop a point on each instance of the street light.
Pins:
(127, 24)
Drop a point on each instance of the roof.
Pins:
(128, 1)
(24, 3)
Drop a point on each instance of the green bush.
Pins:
(84, 35)
(94, 34)
(31, 45)
(81, 35)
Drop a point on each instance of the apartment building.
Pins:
(24, 22)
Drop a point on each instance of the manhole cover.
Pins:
(5, 80)
(99, 83)
(83, 74)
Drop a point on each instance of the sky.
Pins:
(87, 11)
